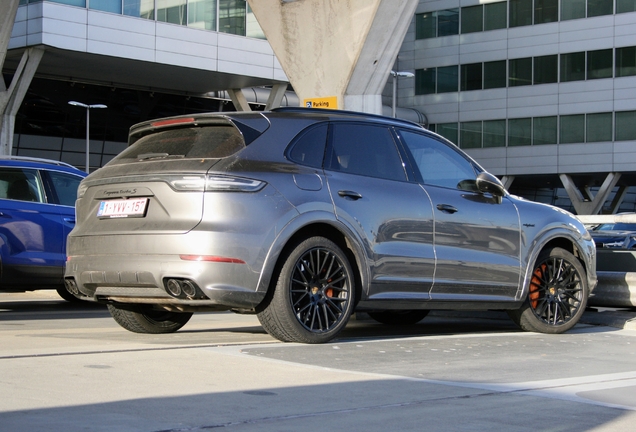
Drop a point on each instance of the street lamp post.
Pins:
(88, 109)
(395, 76)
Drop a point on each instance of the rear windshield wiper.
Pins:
(146, 156)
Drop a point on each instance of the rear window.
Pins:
(193, 142)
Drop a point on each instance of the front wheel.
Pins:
(557, 295)
(314, 294)
(144, 319)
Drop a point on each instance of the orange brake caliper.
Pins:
(535, 284)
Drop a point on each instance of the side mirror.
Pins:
(488, 183)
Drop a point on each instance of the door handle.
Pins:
(446, 208)
(69, 220)
(349, 194)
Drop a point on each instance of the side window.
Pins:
(366, 150)
(20, 185)
(438, 163)
(309, 148)
(64, 187)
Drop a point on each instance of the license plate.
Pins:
(122, 208)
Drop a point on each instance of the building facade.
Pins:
(141, 58)
(535, 90)
(541, 92)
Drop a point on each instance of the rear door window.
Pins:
(363, 149)
(62, 187)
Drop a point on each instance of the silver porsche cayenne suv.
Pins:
(305, 216)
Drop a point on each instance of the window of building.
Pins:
(113, 6)
(573, 66)
(426, 25)
(202, 14)
(598, 127)
(448, 22)
(448, 131)
(625, 126)
(171, 11)
(496, 15)
(495, 74)
(599, 7)
(471, 77)
(472, 19)
(519, 132)
(494, 132)
(623, 6)
(470, 135)
(520, 72)
(572, 129)
(572, 9)
(425, 81)
(546, 69)
(544, 130)
(80, 3)
(520, 13)
(626, 61)
(600, 64)
(447, 79)
(140, 8)
(254, 29)
(232, 16)
(546, 11)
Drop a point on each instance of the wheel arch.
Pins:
(290, 237)
(565, 240)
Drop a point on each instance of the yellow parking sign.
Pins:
(330, 102)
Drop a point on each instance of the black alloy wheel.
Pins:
(313, 297)
(557, 295)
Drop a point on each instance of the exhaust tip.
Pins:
(184, 289)
(71, 286)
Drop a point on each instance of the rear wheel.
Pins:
(314, 294)
(143, 319)
(557, 295)
(399, 317)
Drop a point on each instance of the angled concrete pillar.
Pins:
(11, 98)
(239, 100)
(507, 181)
(7, 18)
(588, 204)
(276, 96)
(342, 49)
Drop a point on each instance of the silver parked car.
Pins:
(304, 216)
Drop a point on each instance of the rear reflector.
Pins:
(172, 121)
(209, 258)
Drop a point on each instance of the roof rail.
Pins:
(34, 159)
(343, 112)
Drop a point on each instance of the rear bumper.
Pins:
(143, 279)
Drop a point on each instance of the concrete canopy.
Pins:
(342, 49)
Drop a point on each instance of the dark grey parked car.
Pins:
(305, 216)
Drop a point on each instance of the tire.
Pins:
(143, 319)
(399, 317)
(313, 294)
(557, 295)
(63, 292)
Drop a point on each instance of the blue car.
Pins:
(37, 211)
